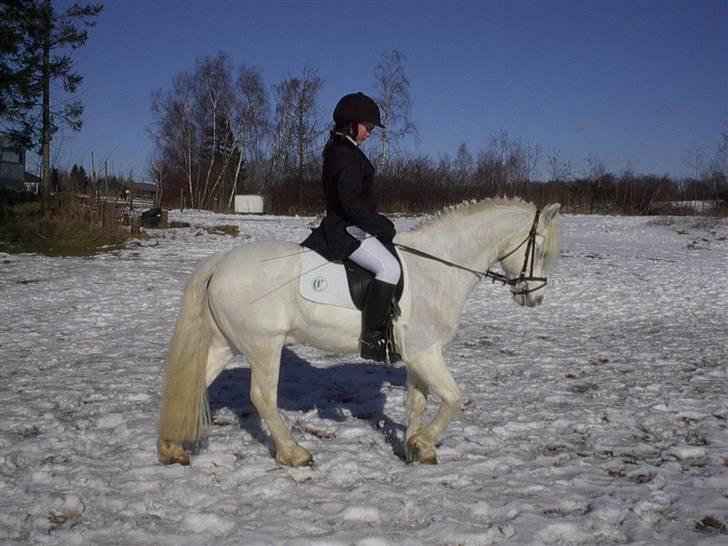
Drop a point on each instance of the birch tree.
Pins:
(175, 134)
(205, 125)
(214, 107)
(251, 125)
(392, 89)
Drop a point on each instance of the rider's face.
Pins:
(363, 131)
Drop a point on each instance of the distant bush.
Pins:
(418, 186)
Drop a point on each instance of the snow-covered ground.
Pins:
(600, 417)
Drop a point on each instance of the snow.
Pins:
(600, 417)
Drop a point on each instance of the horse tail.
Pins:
(185, 411)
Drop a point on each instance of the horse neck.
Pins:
(473, 239)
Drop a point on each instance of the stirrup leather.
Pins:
(392, 354)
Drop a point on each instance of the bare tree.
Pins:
(559, 169)
(174, 132)
(695, 160)
(591, 182)
(532, 159)
(194, 131)
(393, 97)
(156, 171)
(719, 165)
(463, 164)
(250, 124)
(296, 127)
(501, 153)
(213, 115)
(595, 169)
(507, 161)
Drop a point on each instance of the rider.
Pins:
(352, 227)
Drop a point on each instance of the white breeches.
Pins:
(373, 256)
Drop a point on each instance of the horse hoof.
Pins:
(172, 453)
(418, 451)
(299, 457)
(426, 456)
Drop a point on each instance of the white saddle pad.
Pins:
(325, 282)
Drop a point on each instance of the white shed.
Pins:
(249, 204)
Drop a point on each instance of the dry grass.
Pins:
(73, 226)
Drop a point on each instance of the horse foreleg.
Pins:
(416, 403)
(429, 367)
(264, 373)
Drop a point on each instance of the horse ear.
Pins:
(549, 212)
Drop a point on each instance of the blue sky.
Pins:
(640, 84)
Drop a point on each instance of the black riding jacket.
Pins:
(348, 181)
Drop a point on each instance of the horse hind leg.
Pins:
(265, 365)
(184, 411)
(172, 451)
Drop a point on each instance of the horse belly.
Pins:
(326, 327)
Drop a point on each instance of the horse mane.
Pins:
(469, 207)
(550, 246)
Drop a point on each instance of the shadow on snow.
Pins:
(335, 392)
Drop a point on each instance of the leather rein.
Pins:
(522, 279)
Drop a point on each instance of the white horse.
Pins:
(223, 313)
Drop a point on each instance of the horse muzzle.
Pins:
(528, 300)
(528, 295)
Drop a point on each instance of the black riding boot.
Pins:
(375, 323)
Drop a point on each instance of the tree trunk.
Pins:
(234, 189)
(188, 168)
(46, 140)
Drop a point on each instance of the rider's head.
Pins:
(356, 115)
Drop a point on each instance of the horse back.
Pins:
(252, 277)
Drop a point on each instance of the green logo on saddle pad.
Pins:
(319, 284)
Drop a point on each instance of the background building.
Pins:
(12, 168)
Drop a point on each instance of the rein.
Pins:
(529, 241)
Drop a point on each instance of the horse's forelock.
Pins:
(551, 245)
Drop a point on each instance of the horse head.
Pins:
(526, 264)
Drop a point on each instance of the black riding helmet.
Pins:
(357, 108)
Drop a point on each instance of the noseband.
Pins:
(519, 286)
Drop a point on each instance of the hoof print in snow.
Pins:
(712, 525)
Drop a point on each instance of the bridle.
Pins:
(521, 281)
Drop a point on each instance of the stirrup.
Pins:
(378, 349)
(373, 347)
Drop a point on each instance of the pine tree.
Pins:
(33, 39)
